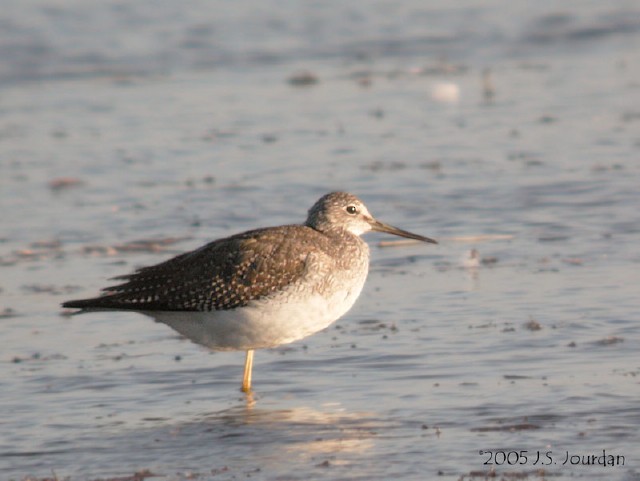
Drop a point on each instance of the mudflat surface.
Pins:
(130, 133)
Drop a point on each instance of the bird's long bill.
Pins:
(389, 229)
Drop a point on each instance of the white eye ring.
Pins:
(351, 209)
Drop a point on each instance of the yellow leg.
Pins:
(248, 367)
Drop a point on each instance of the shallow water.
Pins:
(179, 125)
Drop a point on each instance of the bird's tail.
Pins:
(87, 305)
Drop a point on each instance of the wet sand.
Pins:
(509, 351)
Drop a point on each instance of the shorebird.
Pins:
(261, 288)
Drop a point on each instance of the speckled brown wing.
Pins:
(224, 274)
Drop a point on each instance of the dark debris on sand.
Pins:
(137, 476)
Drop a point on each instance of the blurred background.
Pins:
(509, 131)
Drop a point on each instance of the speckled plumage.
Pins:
(260, 288)
(229, 273)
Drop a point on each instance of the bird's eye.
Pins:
(352, 209)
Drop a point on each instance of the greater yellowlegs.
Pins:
(260, 288)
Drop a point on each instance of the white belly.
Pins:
(287, 317)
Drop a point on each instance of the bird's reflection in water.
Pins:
(303, 430)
